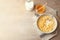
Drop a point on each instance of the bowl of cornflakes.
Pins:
(46, 23)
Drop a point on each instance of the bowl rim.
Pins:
(55, 23)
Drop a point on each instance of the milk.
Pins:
(29, 4)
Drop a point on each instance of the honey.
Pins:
(40, 8)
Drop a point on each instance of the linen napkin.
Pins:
(47, 36)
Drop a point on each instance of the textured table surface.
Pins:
(55, 4)
(16, 23)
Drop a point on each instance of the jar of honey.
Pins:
(40, 9)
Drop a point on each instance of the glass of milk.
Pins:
(29, 5)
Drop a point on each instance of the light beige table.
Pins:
(15, 22)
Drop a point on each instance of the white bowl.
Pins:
(41, 32)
